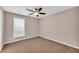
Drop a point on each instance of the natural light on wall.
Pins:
(19, 27)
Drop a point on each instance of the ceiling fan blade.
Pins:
(31, 14)
(30, 10)
(39, 9)
(42, 13)
(36, 9)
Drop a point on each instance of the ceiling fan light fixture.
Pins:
(36, 13)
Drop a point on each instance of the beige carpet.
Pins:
(36, 45)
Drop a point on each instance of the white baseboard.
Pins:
(20, 39)
(59, 42)
(1, 47)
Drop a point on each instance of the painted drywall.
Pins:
(48, 9)
(62, 27)
(30, 27)
(1, 28)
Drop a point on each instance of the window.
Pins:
(19, 27)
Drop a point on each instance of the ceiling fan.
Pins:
(36, 12)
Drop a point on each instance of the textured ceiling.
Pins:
(48, 9)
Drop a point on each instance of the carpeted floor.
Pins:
(37, 45)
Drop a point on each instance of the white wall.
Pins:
(62, 27)
(30, 27)
(1, 29)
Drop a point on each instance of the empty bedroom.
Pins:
(39, 29)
